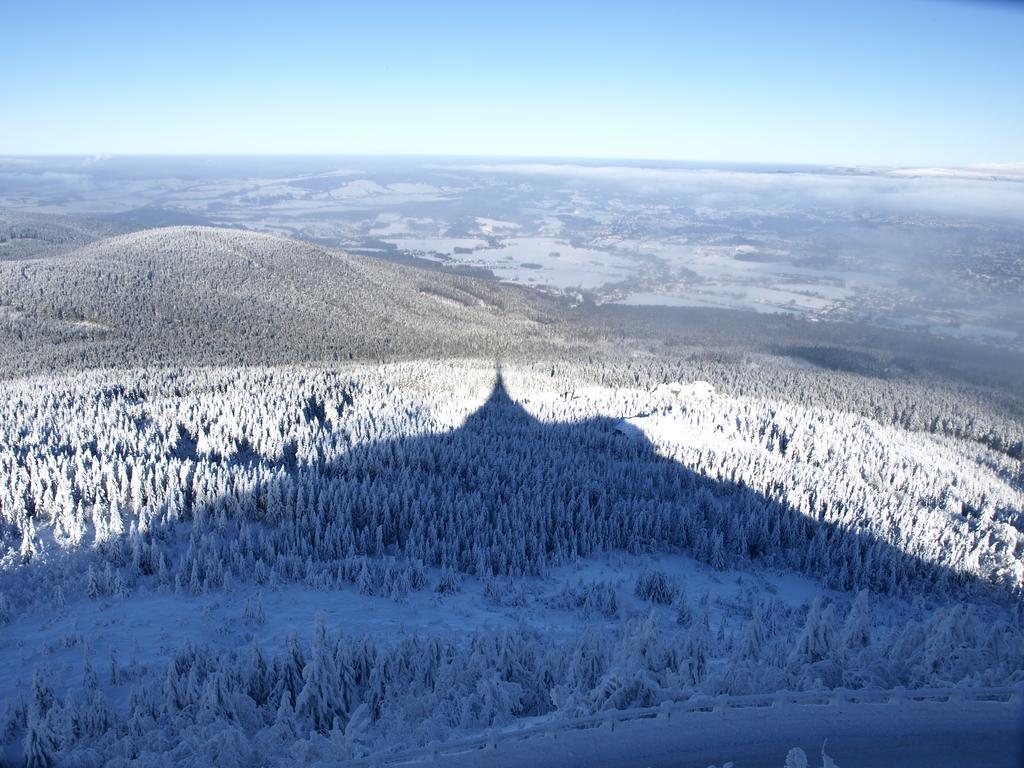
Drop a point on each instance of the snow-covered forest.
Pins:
(527, 385)
(308, 563)
(355, 531)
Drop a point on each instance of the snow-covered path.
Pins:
(969, 734)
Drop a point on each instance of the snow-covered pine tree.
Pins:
(321, 698)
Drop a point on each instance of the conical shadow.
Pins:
(503, 494)
(508, 494)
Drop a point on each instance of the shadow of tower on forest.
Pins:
(506, 494)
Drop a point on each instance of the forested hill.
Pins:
(29, 234)
(220, 296)
(193, 295)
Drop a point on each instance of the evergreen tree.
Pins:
(321, 698)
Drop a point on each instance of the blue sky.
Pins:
(931, 82)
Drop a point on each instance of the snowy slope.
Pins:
(929, 733)
(288, 565)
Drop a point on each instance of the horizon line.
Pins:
(514, 158)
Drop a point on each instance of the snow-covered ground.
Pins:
(909, 735)
(148, 625)
(304, 564)
(541, 260)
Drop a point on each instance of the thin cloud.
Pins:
(970, 194)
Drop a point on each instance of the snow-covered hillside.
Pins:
(300, 564)
(220, 295)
